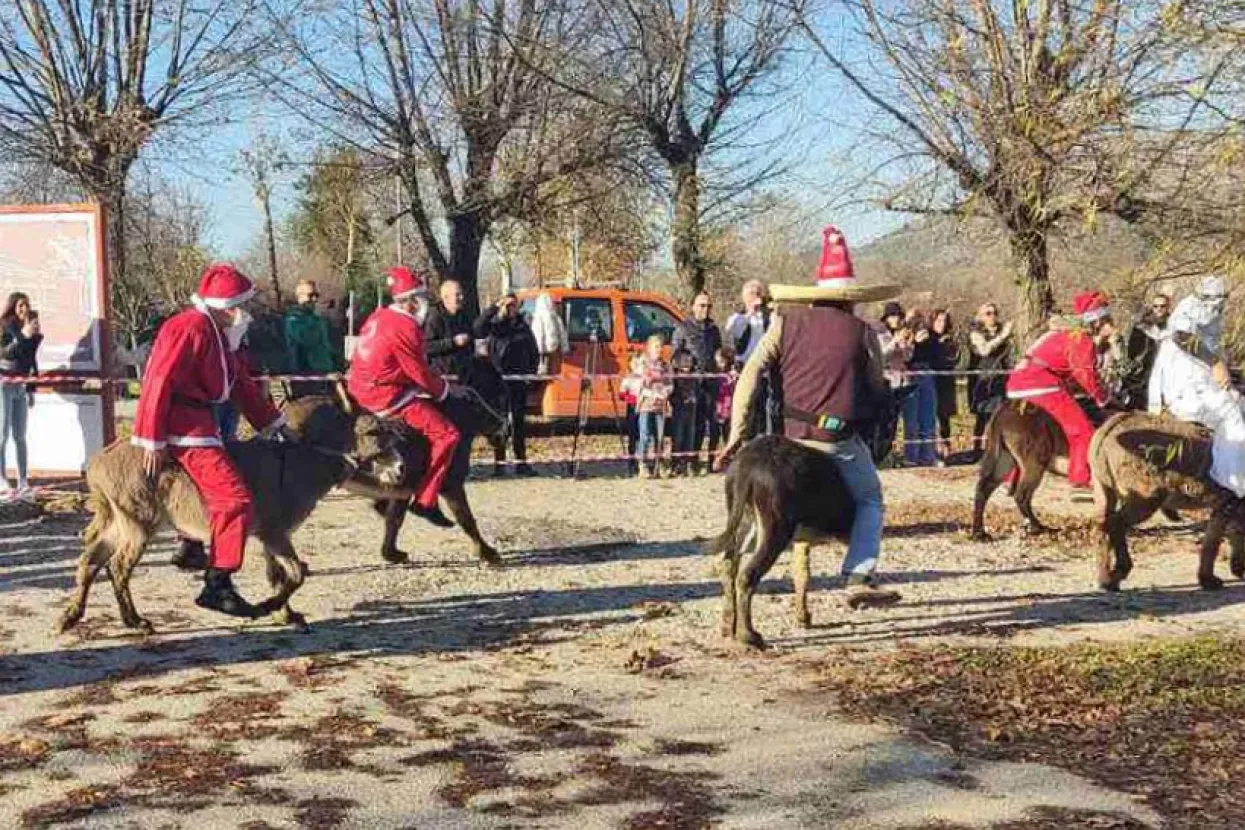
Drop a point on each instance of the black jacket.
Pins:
(699, 339)
(17, 351)
(511, 344)
(1140, 352)
(440, 329)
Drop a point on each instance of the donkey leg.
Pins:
(285, 575)
(771, 542)
(800, 576)
(120, 569)
(94, 556)
(1236, 538)
(1215, 530)
(1131, 513)
(460, 508)
(1030, 479)
(993, 473)
(1105, 504)
(395, 514)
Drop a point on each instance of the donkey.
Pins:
(1144, 463)
(339, 448)
(780, 492)
(480, 410)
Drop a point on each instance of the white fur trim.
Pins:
(422, 291)
(195, 441)
(1021, 394)
(223, 303)
(146, 443)
(1096, 314)
(402, 402)
(836, 282)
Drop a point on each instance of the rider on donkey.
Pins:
(1191, 380)
(1062, 356)
(390, 377)
(194, 365)
(830, 364)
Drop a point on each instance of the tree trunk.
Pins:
(686, 228)
(467, 232)
(114, 200)
(266, 200)
(1030, 254)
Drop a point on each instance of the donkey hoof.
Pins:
(804, 620)
(292, 618)
(1035, 529)
(142, 624)
(68, 620)
(750, 641)
(489, 556)
(1111, 586)
(980, 536)
(395, 557)
(1209, 582)
(1238, 567)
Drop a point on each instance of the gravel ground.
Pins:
(581, 686)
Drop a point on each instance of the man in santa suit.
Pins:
(194, 365)
(1063, 358)
(390, 377)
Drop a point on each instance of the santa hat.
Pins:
(223, 286)
(1091, 306)
(404, 283)
(835, 279)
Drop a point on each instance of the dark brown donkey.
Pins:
(338, 448)
(479, 409)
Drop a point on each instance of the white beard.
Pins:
(235, 333)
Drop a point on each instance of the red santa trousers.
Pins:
(1076, 428)
(226, 497)
(424, 417)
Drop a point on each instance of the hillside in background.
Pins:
(960, 264)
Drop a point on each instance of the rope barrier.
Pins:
(95, 382)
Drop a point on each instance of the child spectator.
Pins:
(724, 359)
(629, 390)
(652, 390)
(683, 413)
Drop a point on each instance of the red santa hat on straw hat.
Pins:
(404, 283)
(222, 286)
(1091, 306)
(835, 278)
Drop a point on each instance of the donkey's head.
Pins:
(335, 426)
(482, 408)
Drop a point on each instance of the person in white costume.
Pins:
(1191, 380)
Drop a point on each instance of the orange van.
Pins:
(605, 326)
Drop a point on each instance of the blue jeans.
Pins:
(226, 415)
(855, 465)
(14, 411)
(920, 417)
(652, 432)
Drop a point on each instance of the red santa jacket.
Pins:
(1056, 359)
(191, 368)
(390, 369)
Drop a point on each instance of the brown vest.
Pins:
(824, 368)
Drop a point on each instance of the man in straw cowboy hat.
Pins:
(830, 366)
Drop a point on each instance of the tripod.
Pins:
(583, 406)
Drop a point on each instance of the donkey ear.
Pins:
(343, 398)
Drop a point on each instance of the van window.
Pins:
(647, 319)
(587, 314)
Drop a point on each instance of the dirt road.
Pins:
(582, 686)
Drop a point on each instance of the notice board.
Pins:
(56, 255)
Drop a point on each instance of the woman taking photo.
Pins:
(990, 358)
(946, 359)
(19, 341)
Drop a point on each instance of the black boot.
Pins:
(432, 515)
(219, 595)
(190, 556)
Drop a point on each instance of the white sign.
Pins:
(62, 434)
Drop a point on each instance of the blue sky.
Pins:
(812, 118)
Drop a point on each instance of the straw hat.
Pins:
(836, 279)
